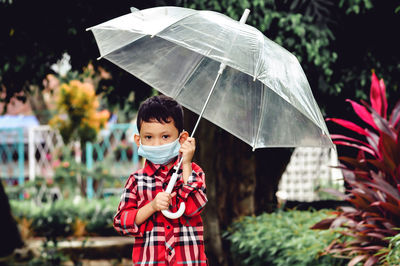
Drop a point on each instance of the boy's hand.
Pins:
(187, 149)
(162, 201)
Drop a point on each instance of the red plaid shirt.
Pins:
(160, 240)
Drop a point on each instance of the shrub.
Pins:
(373, 180)
(99, 217)
(282, 238)
(393, 251)
(63, 217)
(67, 169)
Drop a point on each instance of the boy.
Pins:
(158, 239)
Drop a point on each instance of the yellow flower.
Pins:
(88, 89)
(82, 97)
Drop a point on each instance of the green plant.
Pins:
(71, 176)
(282, 238)
(373, 180)
(49, 255)
(65, 176)
(100, 217)
(393, 251)
(59, 219)
(54, 220)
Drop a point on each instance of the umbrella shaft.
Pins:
(173, 178)
(221, 69)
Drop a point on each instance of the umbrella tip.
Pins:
(244, 16)
(134, 9)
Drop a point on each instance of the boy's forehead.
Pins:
(155, 125)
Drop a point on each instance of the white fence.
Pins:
(43, 141)
(309, 171)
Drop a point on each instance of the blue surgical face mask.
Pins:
(162, 154)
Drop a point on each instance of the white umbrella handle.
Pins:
(170, 186)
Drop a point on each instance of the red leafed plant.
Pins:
(373, 180)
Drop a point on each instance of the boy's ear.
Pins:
(183, 137)
(137, 139)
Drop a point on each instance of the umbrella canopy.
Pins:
(263, 97)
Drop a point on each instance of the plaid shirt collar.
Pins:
(151, 168)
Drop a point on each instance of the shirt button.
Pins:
(168, 227)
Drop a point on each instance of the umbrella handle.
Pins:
(176, 215)
(170, 186)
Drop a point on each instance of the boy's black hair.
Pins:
(161, 108)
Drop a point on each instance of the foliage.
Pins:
(393, 251)
(51, 220)
(99, 217)
(71, 176)
(64, 218)
(30, 49)
(49, 255)
(356, 6)
(373, 179)
(282, 238)
(78, 118)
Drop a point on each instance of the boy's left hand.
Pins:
(187, 150)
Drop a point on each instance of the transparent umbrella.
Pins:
(224, 70)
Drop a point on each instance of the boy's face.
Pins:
(154, 133)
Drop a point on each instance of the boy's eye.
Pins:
(147, 137)
(165, 136)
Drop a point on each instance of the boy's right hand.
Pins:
(162, 201)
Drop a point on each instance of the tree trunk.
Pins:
(270, 165)
(239, 182)
(10, 237)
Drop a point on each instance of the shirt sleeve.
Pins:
(124, 219)
(194, 192)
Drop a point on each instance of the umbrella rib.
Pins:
(179, 20)
(121, 47)
(261, 112)
(259, 55)
(189, 75)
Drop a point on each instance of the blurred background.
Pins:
(67, 123)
